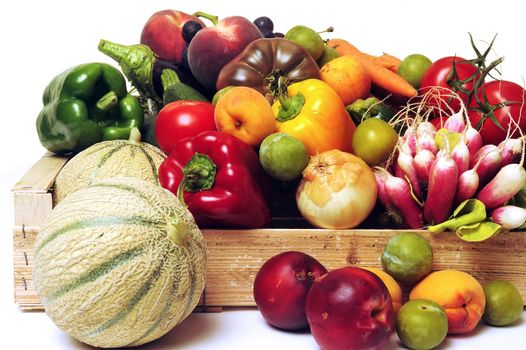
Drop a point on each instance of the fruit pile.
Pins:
(232, 115)
(356, 308)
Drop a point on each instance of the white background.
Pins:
(40, 39)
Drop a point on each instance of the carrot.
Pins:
(380, 76)
(385, 60)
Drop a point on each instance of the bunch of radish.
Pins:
(432, 171)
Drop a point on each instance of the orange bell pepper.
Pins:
(312, 112)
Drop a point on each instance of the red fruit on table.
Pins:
(213, 47)
(350, 309)
(281, 286)
(163, 34)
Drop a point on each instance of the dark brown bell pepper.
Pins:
(269, 65)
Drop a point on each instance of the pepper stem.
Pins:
(199, 175)
(108, 101)
(289, 107)
(169, 78)
(177, 231)
(211, 18)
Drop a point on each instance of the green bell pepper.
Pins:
(84, 105)
(369, 108)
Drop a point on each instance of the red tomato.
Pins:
(181, 119)
(505, 99)
(441, 74)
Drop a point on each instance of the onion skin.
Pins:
(338, 191)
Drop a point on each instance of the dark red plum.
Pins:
(281, 286)
(350, 309)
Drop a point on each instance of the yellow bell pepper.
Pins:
(312, 112)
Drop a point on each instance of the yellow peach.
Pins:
(392, 286)
(459, 293)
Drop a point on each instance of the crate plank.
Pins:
(31, 208)
(41, 176)
(235, 256)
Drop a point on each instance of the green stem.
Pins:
(108, 101)
(177, 231)
(328, 30)
(211, 18)
(169, 78)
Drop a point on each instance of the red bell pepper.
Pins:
(220, 179)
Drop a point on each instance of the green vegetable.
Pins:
(369, 108)
(468, 222)
(84, 105)
(175, 90)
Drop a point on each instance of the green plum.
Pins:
(413, 68)
(282, 156)
(407, 257)
(503, 303)
(328, 55)
(421, 324)
(308, 38)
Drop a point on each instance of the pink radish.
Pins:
(423, 160)
(461, 156)
(511, 150)
(508, 181)
(410, 140)
(486, 162)
(468, 183)
(455, 123)
(400, 196)
(443, 179)
(405, 163)
(380, 177)
(425, 128)
(426, 141)
(509, 217)
(473, 140)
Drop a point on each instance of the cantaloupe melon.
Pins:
(119, 263)
(123, 158)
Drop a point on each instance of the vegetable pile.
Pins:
(236, 117)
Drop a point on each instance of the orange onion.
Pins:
(337, 191)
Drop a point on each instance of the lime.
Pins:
(308, 38)
(503, 303)
(282, 156)
(413, 68)
(374, 140)
(407, 257)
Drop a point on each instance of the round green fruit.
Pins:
(328, 55)
(282, 156)
(407, 257)
(308, 38)
(374, 140)
(413, 68)
(421, 324)
(503, 303)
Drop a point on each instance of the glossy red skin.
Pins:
(237, 197)
(163, 34)
(350, 309)
(213, 47)
(498, 91)
(281, 287)
(181, 119)
(437, 73)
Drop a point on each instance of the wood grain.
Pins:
(41, 176)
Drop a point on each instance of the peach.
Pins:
(348, 77)
(459, 293)
(392, 286)
(245, 113)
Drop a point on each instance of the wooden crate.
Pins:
(234, 256)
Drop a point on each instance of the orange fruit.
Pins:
(246, 114)
(392, 286)
(459, 293)
(348, 77)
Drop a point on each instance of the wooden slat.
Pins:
(30, 208)
(41, 176)
(235, 256)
